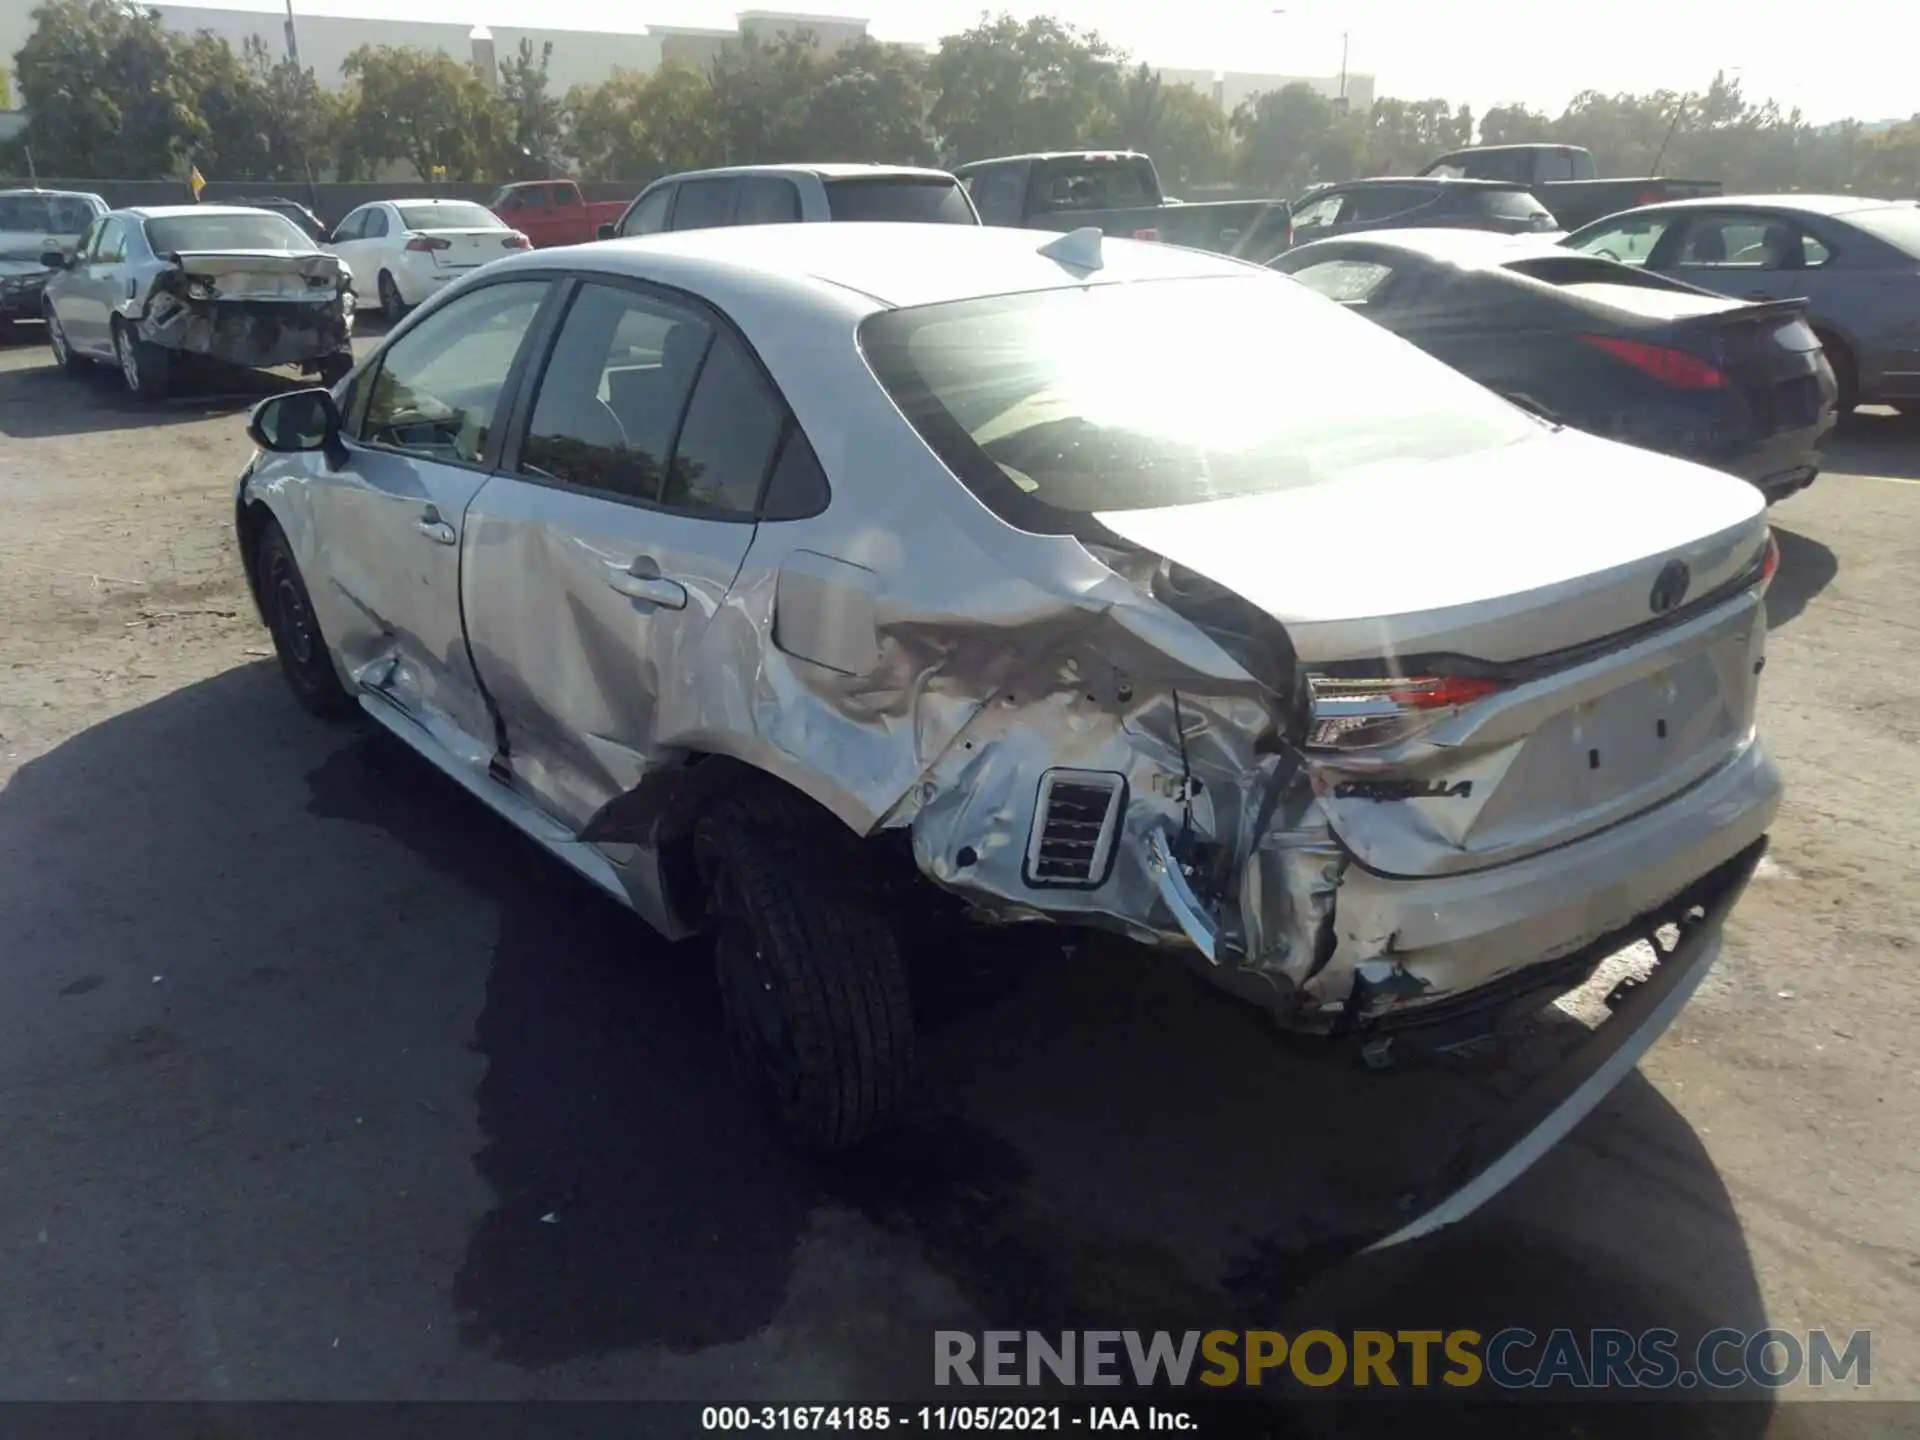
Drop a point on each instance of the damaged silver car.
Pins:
(788, 581)
(145, 288)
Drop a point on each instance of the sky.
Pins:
(1839, 59)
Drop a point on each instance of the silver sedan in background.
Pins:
(792, 581)
(1855, 260)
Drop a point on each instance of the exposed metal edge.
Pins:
(584, 859)
(1551, 1130)
(1179, 896)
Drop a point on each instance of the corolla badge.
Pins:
(1669, 586)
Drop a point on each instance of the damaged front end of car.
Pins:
(252, 310)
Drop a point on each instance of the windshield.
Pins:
(183, 234)
(1898, 225)
(1173, 392)
(934, 200)
(451, 215)
(45, 214)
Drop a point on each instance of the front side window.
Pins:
(89, 241)
(438, 389)
(1381, 202)
(1048, 408)
(649, 214)
(998, 195)
(111, 247)
(1628, 242)
(1315, 213)
(258, 230)
(376, 224)
(615, 387)
(353, 227)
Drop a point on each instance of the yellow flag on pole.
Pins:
(197, 182)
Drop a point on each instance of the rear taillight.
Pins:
(1650, 197)
(1146, 233)
(1770, 562)
(1670, 367)
(1350, 713)
(516, 241)
(428, 242)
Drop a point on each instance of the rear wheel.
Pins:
(810, 970)
(297, 640)
(391, 304)
(143, 367)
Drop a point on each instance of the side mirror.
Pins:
(299, 421)
(607, 232)
(54, 259)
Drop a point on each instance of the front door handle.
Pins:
(642, 581)
(435, 529)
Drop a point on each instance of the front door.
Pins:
(423, 429)
(594, 568)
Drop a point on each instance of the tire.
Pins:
(1846, 375)
(297, 641)
(64, 355)
(810, 971)
(144, 368)
(392, 305)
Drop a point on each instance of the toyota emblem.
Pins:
(1669, 586)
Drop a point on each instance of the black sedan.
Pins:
(1599, 346)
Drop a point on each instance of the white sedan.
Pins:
(402, 251)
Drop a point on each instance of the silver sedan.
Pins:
(785, 580)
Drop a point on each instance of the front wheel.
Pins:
(332, 369)
(811, 976)
(297, 641)
(64, 355)
(143, 367)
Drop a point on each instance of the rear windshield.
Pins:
(451, 216)
(1098, 185)
(934, 200)
(184, 233)
(45, 214)
(1071, 402)
(1898, 225)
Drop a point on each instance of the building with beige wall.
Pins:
(1233, 88)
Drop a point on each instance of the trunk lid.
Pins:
(1535, 569)
(467, 248)
(264, 274)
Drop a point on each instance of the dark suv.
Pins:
(1400, 204)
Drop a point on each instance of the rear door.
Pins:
(596, 561)
(101, 283)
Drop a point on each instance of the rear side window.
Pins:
(933, 200)
(766, 200)
(1098, 185)
(705, 204)
(1383, 202)
(1515, 205)
(727, 444)
(1630, 241)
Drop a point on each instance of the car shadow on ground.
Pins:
(47, 401)
(263, 967)
(1806, 568)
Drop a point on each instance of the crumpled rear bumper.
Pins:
(255, 333)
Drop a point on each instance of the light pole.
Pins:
(293, 38)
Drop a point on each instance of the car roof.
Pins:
(893, 264)
(826, 170)
(1808, 204)
(1055, 155)
(172, 212)
(1463, 249)
(1451, 182)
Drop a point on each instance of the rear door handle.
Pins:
(435, 529)
(637, 584)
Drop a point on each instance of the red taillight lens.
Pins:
(1670, 367)
(1350, 713)
(1770, 562)
(429, 242)
(1147, 233)
(1650, 197)
(517, 241)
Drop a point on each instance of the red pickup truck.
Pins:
(553, 212)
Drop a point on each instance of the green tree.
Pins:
(1402, 135)
(1288, 137)
(638, 127)
(6, 89)
(763, 93)
(872, 104)
(1514, 125)
(300, 118)
(103, 94)
(1007, 86)
(1184, 131)
(537, 118)
(425, 108)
